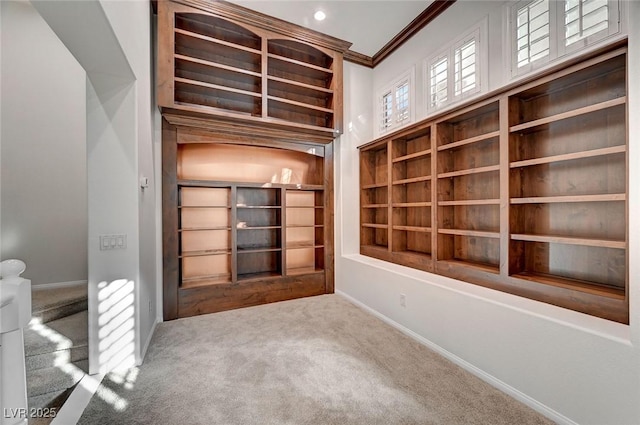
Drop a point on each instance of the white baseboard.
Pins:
(57, 285)
(143, 352)
(490, 379)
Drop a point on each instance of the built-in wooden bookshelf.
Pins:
(244, 65)
(524, 191)
(244, 223)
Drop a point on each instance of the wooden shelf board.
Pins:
(203, 206)
(571, 198)
(375, 205)
(413, 155)
(412, 180)
(205, 281)
(602, 243)
(256, 276)
(217, 41)
(471, 233)
(468, 171)
(473, 265)
(259, 227)
(300, 104)
(299, 84)
(196, 229)
(413, 229)
(595, 288)
(375, 226)
(374, 185)
(300, 63)
(206, 252)
(469, 202)
(256, 249)
(569, 114)
(302, 245)
(470, 140)
(261, 185)
(410, 204)
(303, 270)
(302, 226)
(259, 207)
(420, 254)
(216, 87)
(570, 156)
(218, 65)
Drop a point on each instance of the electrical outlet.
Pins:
(403, 300)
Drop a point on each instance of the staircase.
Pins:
(56, 346)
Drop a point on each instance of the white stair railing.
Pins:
(15, 315)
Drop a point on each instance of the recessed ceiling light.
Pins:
(319, 15)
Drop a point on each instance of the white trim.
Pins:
(73, 408)
(56, 285)
(145, 347)
(488, 378)
(478, 32)
(390, 87)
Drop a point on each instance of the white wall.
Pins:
(572, 367)
(44, 173)
(112, 42)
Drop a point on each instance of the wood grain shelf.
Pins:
(217, 41)
(258, 227)
(375, 206)
(217, 65)
(413, 229)
(302, 85)
(303, 270)
(205, 252)
(375, 226)
(570, 114)
(374, 185)
(469, 141)
(468, 171)
(205, 281)
(570, 156)
(300, 104)
(612, 197)
(412, 180)
(570, 240)
(217, 87)
(469, 202)
(258, 276)
(303, 245)
(410, 204)
(473, 233)
(414, 155)
(300, 63)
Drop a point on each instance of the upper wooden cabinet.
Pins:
(216, 58)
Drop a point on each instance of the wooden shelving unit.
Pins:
(374, 199)
(244, 67)
(468, 187)
(524, 191)
(568, 179)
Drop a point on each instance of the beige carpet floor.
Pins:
(318, 360)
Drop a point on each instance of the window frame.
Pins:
(557, 42)
(479, 33)
(407, 77)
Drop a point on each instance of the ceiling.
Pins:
(368, 24)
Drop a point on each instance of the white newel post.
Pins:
(15, 314)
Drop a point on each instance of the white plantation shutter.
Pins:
(533, 32)
(387, 111)
(402, 102)
(584, 18)
(465, 61)
(438, 72)
(395, 103)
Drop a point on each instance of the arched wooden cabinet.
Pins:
(250, 108)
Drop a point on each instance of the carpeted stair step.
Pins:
(52, 401)
(53, 304)
(54, 379)
(56, 343)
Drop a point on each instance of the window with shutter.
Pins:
(532, 32)
(395, 103)
(456, 71)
